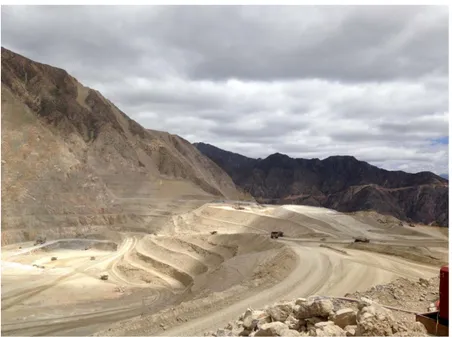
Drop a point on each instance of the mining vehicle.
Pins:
(275, 235)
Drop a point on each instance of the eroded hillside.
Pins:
(72, 162)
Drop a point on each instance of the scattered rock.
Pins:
(364, 301)
(399, 327)
(246, 332)
(312, 321)
(276, 329)
(293, 323)
(321, 325)
(255, 318)
(345, 317)
(54, 258)
(324, 329)
(418, 327)
(314, 308)
(223, 333)
(300, 301)
(350, 330)
(280, 312)
(424, 282)
(374, 320)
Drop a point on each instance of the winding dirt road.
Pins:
(318, 271)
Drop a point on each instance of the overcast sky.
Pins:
(309, 82)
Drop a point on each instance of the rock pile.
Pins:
(317, 316)
(415, 295)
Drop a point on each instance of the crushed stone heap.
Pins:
(317, 316)
(322, 316)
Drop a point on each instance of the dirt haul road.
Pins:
(318, 271)
(205, 280)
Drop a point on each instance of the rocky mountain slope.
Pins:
(342, 183)
(72, 161)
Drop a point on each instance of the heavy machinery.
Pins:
(275, 235)
(40, 241)
(437, 322)
(362, 239)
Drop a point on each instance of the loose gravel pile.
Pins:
(367, 315)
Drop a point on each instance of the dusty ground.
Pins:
(183, 280)
(408, 294)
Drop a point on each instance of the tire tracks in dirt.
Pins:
(318, 270)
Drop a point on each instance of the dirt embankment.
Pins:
(271, 270)
(416, 254)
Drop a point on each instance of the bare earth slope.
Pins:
(342, 183)
(186, 281)
(72, 162)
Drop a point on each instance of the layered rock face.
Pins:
(73, 161)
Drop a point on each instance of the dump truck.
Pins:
(362, 239)
(275, 235)
(40, 241)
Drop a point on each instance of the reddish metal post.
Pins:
(444, 293)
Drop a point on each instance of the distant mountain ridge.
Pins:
(338, 182)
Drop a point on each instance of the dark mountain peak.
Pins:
(345, 158)
(429, 177)
(215, 151)
(278, 156)
(342, 182)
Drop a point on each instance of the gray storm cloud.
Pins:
(308, 81)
